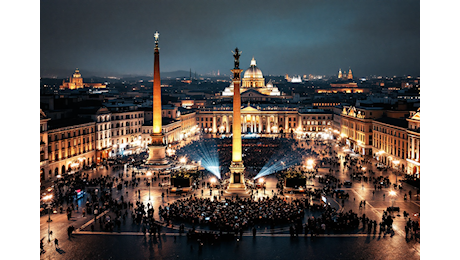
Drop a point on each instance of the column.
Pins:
(286, 124)
(157, 126)
(276, 124)
(300, 125)
(268, 124)
(412, 150)
(260, 124)
(214, 124)
(227, 130)
(236, 139)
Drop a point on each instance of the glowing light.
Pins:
(261, 180)
(205, 153)
(213, 180)
(157, 129)
(392, 193)
(48, 197)
(183, 160)
(214, 170)
(280, 162)
(149, 173)
(310, 163)
(296, 79)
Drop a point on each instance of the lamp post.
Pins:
(48, 199)
(183, 160)
(392, 194)
(396, 163)
(150, 178)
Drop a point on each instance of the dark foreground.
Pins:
(124, 246)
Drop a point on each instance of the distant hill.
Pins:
(65, 74)
(176, 74)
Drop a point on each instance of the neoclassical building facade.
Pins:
(265, 119)
(262, 117)
(413, 152)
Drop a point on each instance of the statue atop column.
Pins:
(236, 55)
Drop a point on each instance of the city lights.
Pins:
(236, 163)
(183, 160)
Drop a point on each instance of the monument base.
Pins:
(236, 177)
(157, 157)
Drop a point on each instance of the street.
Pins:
(94, 242)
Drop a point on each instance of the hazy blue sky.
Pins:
(112, 37)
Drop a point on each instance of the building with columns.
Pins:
(413, 144)
(71, 145)
(265, 119)
(356, 127)
(76, 82)
(262, 116)
(390, 141)
(254, 79)
(43, 144)
(391, 136)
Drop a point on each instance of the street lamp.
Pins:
(148, 184)
(183, 160)
(392, 194)
(396, 163)
(261, 181)
(48, 199)
(310, 163)
(213, 180)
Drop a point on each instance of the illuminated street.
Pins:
(359, 243)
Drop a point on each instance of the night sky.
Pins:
(115, 38)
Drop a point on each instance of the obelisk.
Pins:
(157, 149)
(236, 167)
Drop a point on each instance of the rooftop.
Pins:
(400, 122)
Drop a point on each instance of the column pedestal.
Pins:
(157, 153)
(236, 177)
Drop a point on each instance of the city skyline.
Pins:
(295, 38)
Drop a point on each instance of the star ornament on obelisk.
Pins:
(236, 182)
(157, 149)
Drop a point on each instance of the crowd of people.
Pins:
(234, 214)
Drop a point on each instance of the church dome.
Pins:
(270, 84)
(253, 71)
(77, 74)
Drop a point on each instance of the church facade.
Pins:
(254, 80)
(76, 82)
(261, 117)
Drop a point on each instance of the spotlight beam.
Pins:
(206, 152)
(280, 162)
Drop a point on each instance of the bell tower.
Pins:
(350, 74)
